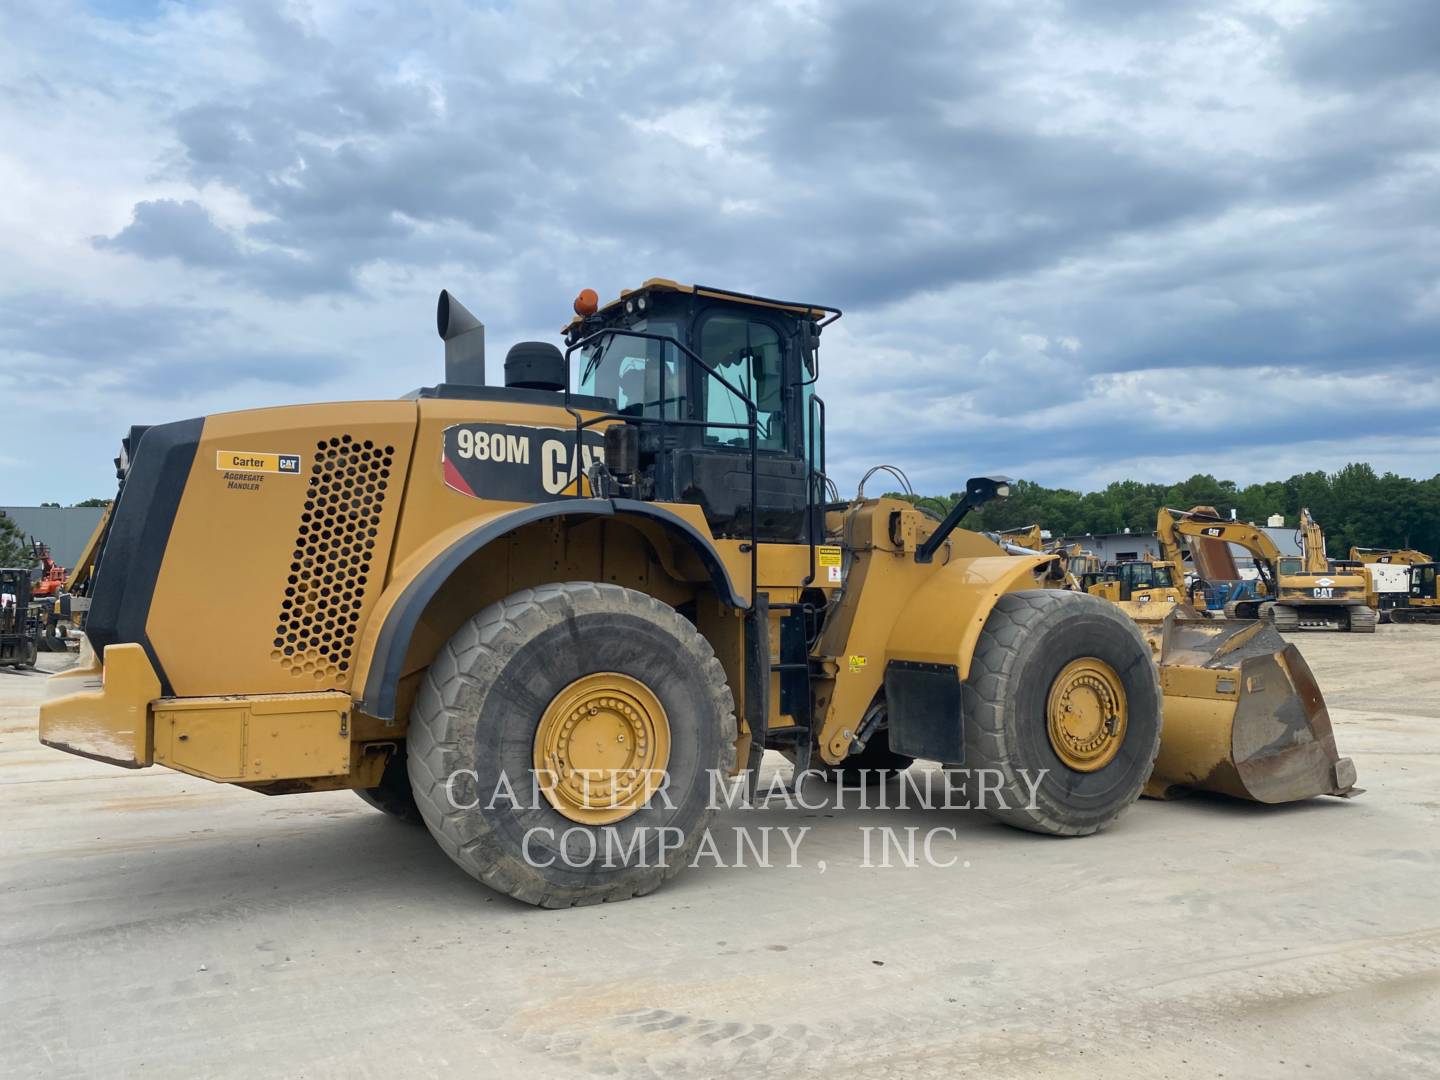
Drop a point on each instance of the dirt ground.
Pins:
(153, 924)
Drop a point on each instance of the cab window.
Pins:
(628, 369)
(749, 355)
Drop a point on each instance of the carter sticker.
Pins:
(251, 462)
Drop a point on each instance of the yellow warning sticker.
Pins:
(856, 663)
(250, 461)
(827, 556)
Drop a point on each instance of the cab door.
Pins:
(757, 355)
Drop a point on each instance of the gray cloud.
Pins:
(1360, 44)
(1055, 227)
(164, 228)
(161, 351)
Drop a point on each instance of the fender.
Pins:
(931, 643)
(387, 636)
(942, 620)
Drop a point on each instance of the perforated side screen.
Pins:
(330, 570)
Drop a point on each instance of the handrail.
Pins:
(751, 425)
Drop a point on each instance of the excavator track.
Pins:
(1410, 616)
(1286, 619)
(1362, 620)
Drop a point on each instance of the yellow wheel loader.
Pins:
(548, 619)
(1140, 581)
(1300, 592)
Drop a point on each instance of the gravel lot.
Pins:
(153, 924)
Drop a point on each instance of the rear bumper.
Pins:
(114, 712)
(102, 711)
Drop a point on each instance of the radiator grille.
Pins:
(330, 568)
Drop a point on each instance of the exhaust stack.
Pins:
(464, 337)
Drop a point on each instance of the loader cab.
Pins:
(685, 364)
(1131, 580)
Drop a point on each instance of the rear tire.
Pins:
(1030, 640)
(474, 730)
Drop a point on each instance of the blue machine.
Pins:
(1220, 593)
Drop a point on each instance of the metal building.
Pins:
(1127, 546)
(64, 529)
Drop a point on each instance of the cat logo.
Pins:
(1325, 581)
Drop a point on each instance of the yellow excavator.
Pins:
(1420, 600)
(551, 620)
(1389, 556)
(1030, 537)
(1301, 592)
(1083, 571)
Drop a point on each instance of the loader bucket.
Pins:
(1242, 713)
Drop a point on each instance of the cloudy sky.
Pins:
(1074, 242)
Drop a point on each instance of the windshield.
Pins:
(629, 370)
(1290, 566)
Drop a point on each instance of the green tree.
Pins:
(14, 545)
(1354, 506)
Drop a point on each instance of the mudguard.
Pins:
(931, 645)
(383, 647)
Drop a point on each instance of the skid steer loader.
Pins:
(542, 618)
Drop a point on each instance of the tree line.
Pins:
(1355, 506)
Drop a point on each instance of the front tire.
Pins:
(1061, 686)
(522, 680)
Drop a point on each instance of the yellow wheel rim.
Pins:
(601, 748)
(1086, 714)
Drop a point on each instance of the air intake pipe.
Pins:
(464, 337)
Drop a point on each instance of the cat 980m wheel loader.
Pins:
(543, 618)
